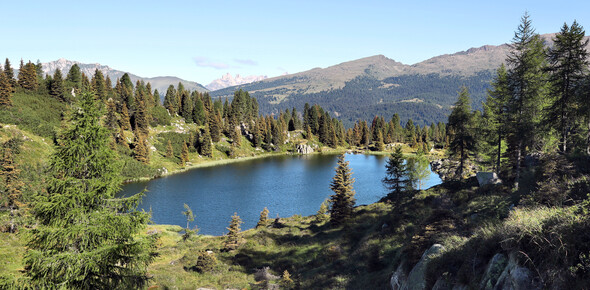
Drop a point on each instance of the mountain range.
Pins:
(159, 83)
(359, 89)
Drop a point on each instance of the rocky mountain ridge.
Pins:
(159, 83)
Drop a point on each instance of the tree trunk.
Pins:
(499, 152)
(518, 161)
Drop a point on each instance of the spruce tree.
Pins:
(396, 176)
(186, 110)
(56, 88)
(27, 77)
(121, 140)
(199, 116)
(215, 125)
(9, 72)
(74, 77)
(206, 147)
(170, 100)
(323, 214)
(342, 201)
(233, 236)
(12, 185)
(461, 124)
(86, 238)
(110, 120)
(98, 85)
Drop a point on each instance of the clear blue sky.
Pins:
(200, 41)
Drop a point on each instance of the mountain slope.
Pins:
(373, 85)
(159, 83)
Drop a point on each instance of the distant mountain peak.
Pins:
(227, 80)
(159, 83)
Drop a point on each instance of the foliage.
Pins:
(342, 201)
(233, 236)
(190, 217)
(323, 214)
(84, 235)
(461, 130)
(396, 178)
(201, 261)
(263, 221)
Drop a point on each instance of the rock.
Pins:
(493, 271)
(485, 178)
(304, 149)
(398, 278)
(417, 277)
(442, 284)
(264, 275)
(515, 277)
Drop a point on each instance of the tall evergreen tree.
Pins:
(98, 85)
(495, 119)
(27, 77)
(568, 65)
(9, 72)
(170, 100)
(343, 198)
(206, 147)
(74, 77)
(527, 84)
(396, 175)
(141, 151)
(263, 220)
(125, 122)
(460, 121)
(56, 87)
(5, 91)
(87, 239)
(199, 116)
(187, 107)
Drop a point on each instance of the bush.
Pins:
(160, 116)
(201, 261)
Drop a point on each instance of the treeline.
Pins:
(364, 97)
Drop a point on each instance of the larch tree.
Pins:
(9, 72)
(495, 120)
(342, 201)
(527, 84)
(27, 77)
(124, 120)
(86, 238)
(461, 125)
(169, 150)
(568, 65)
(232, 239)
(263, 220)
(184, 154)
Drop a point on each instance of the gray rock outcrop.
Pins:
(304, 149)
(516, 277)
(495, 268)
(485, 178)
(416, 278)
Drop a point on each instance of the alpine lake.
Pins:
(287, 185)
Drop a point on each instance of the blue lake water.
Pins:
(286, 185)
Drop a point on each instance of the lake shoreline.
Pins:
(218, 162)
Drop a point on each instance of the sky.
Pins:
(203, 40)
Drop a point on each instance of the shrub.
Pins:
(201, 261)
(160, 116)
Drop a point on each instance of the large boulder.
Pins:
(398, 278)
(516, 277)
(417, 277)
(485, 178)
(495, 268)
